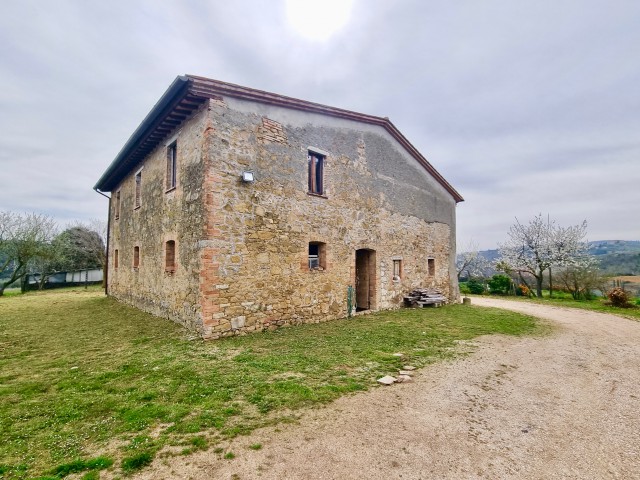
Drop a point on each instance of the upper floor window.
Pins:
(316, 173)
(138, 190)
(172, 166)
(117, 214)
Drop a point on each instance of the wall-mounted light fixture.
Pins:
(248, 177)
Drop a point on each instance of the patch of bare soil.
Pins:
(562, 406)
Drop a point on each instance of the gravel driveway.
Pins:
(565, 405)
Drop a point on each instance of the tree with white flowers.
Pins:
(470, 263)
(536, 247)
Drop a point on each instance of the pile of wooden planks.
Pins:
(423, 297)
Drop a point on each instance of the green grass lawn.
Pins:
(87, 383)
(563, 299)
(597, 304)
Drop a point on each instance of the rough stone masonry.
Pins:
(382, 224)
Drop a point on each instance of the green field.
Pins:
(561, 299)
(87, 383)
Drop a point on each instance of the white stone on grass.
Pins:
(405, 372)
(404, 379)
(387, 380)
(408, 367)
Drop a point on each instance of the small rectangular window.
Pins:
(117, 215)
(138, 191)
(317, 256)
(170, 256)
(172, 166)
(115, 258)
(431, 264)
(397, 269)
(136, 257)
(316, 173)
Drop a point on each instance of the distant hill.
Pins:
(616, 257)
(604, 247)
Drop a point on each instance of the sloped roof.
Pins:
(188, 92)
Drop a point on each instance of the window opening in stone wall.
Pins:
(397, 270)
(115, 258)
(136, 257)
(317, 256)
(431, 265)
(316, 173)
(138, 191)
(172, 165)
(117, 215)
(170, 256)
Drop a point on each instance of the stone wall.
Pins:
(178, 215)
(242, 248)
(255, 272)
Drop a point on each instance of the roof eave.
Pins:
(175, 90)
(204, 88)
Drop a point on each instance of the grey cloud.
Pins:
(525, 107)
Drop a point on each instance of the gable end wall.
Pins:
(255, 272)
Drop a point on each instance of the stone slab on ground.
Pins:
(387, 380)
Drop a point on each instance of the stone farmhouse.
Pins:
(235, 210)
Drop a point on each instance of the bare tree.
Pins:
(470, 262)
(580, 281)
(48, 262)
(22, 239)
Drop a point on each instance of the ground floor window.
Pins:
(317, 256)
(431, 265)
(136, 257)
(397, 269)
(170, 256)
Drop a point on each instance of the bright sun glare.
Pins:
(318, 19)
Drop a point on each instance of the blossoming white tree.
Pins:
(470, 263)
(540, 245)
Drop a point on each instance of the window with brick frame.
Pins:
(117, 206)
(317, 256)
(138, 191)
(170, 256)
(397, 270)
(431, 267)
(115, 258)
(172, 166)
(316, 172)
(136, 257)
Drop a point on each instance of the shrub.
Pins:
(499, 284)
(464, 288)
(523, 290)
(619, 297)
(475, 287)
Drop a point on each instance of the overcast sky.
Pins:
(525, 107)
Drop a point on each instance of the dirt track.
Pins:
(564, 406)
